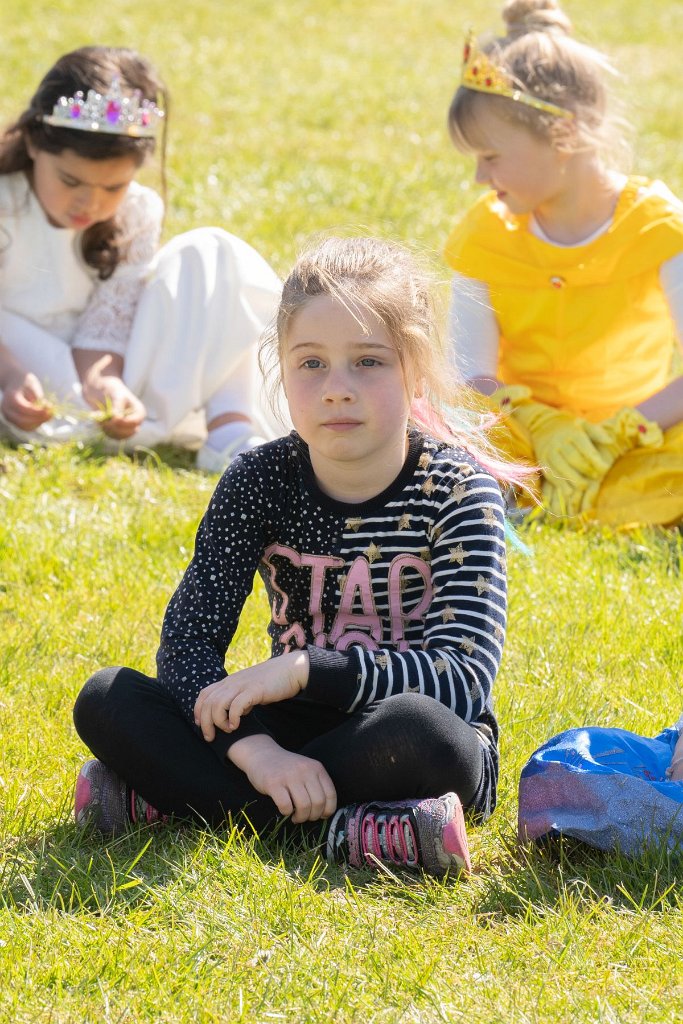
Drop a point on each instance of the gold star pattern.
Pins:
(354, 524)
(402, 584)
(381, 660)
(440, 665)
(457, 554)
(428, 486)
(372, 553)
(424, 460)
(499, 632)
(458, 492)
(468, 644)
(425, 554)
(466, 469)
(404, 522)
(448, 615)
(342, 580)
(436, 532)
(482, 585)
(490, 517)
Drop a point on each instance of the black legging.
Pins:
(405, 746)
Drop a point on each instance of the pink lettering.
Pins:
(358, 585)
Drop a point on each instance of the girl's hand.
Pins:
(296, 784)
(222, 704)
(23, 402)
(122, 412)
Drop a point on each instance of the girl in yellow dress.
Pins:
(568, 277)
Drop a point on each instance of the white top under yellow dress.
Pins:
(186, 318)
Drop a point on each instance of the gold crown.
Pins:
(482, 75)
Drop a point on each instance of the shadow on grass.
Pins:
(562, 870)
(79, 871)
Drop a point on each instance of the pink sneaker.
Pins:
(103, 800)
(428, 834)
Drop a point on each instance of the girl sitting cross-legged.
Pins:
(378, 531)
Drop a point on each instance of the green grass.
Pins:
(289, 119)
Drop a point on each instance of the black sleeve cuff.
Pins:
(332, 678)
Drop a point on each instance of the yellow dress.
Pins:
(588, 329)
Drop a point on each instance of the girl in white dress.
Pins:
(100, 330)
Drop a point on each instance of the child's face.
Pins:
(75, 192)
(526, 172)
(346, 388)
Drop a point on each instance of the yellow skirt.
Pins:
(643, 487)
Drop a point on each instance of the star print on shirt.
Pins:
(468, 644)
(381, 660)
(404, 522)
(490, 517)
(428, 486)
(499, 632)
(424, 460)
(458, 492)
(482, 585)
(354, 524)
(448, 615)
(458, 554)
(440, 665)
(372, 553)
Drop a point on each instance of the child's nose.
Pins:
(338, 387)
(88, 200)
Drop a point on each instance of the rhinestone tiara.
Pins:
(111, 113)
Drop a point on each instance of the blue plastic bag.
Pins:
(606, 787)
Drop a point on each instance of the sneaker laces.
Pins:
(389, 837)
(141, 811)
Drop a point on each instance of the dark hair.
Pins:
(90, 67)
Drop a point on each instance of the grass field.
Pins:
(288, 119)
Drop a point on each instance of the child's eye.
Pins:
(115, 188)
(69, 182)
(369, 361)
(312, 364)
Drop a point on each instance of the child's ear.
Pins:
(565, 137)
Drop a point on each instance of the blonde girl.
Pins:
(568, 276)
(97, 327)
(381, 548)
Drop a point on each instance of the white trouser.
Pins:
(192, 347)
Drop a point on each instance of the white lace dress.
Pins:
(186, 318)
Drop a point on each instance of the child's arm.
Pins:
(102, 333)
(297, 785)
(464, 626)
(23, 399)
(473, 334)
(202, 615)
(666, 407)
